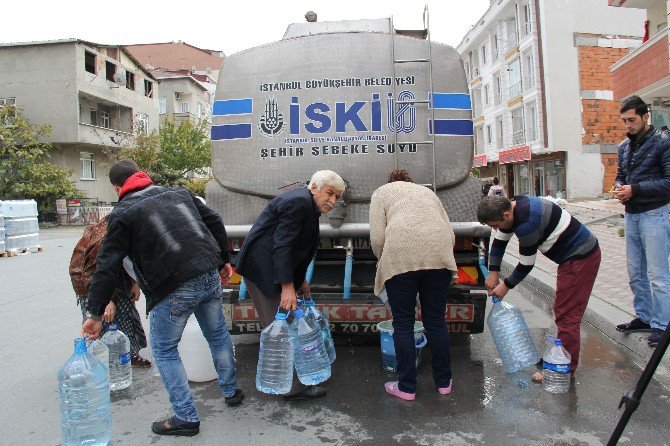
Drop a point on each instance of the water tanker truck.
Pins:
(360, 98)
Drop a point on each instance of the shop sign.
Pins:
(514, 155)
(479, 161)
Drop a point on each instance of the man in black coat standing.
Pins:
(278, 249)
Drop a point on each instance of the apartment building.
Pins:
(183, 94)
(94, 96)
(533, 67)
(645, 72)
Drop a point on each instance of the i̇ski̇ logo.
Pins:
(271, 123)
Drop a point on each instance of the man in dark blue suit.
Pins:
(278, 249)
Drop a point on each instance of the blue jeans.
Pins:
(647, 251)
(202, 296)
(432, 285)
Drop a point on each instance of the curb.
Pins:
(602, 316)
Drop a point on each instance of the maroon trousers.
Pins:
(574, 283)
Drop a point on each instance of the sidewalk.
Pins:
(611, 300)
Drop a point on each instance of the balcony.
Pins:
(515, 90)
(528, 82)
(645, 71)
(518, 137)
(511, 42)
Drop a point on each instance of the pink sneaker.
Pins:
(392, 388)
(445, 390)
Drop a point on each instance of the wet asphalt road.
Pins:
(39, 320)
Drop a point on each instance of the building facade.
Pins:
(184, 95)
(528, 65)
(94, 96)
(645, 72)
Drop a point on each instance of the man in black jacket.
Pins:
(643, 186)
(278, 249)
(180, 256)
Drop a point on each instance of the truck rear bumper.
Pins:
(361, 313)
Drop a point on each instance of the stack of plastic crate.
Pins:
(21, 226)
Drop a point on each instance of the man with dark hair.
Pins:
(541, 225)
(643, 185)
(177, 246)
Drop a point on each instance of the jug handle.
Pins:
(423, 341)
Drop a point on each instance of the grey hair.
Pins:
(327, 178)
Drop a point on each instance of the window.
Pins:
(484, 55)
(162, 105)
(518, 134)
(529, 80)
(496, 48)
(148, 88)
(130, 80)
(487, 94)
(489, 136)
(500, 138)
(199, 110)
(514, 72)
(184, 107)
(87, 166)
(526, 27)
(89, 62)
(106, 122)
(142, 123)
(110, 71)
(532, 124)
(94, 117)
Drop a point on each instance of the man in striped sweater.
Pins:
(541, 225)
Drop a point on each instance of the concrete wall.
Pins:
(68, 156)
(189, 92)
(43, 81)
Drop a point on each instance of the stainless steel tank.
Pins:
(323, 98)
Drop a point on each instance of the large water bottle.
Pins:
(556, 367)
(274, 373)
(120, 371)
(100, 351)
(310, 356)
(511, 336)
(323, 323)
(83, 385)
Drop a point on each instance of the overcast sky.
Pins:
(229, 26)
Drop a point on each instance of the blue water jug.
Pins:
(83, 385)
(274, 373)
(511, 336)
(310, 356)
(323, 323)
(556, 367)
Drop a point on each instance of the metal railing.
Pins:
(529, 82)
(518, 137)
(515, 90)
(512, 41)
(526, 29)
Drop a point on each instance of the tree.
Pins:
(167, 155)
(25, 170)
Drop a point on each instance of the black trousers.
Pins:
(432, 286)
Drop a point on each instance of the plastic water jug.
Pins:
(556, 367)
(310, 357)
(98, 349)
(274, 373)
(83, 385)
(195, 353)
(323, 323)
(120, 371)
(511, 336)
(389, 361)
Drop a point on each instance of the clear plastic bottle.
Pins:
(511, 336)
(274, 373)
(98, 349)
(120, 371)
(323, 323)
(310, 356)
(83, 385)
(556, 367)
